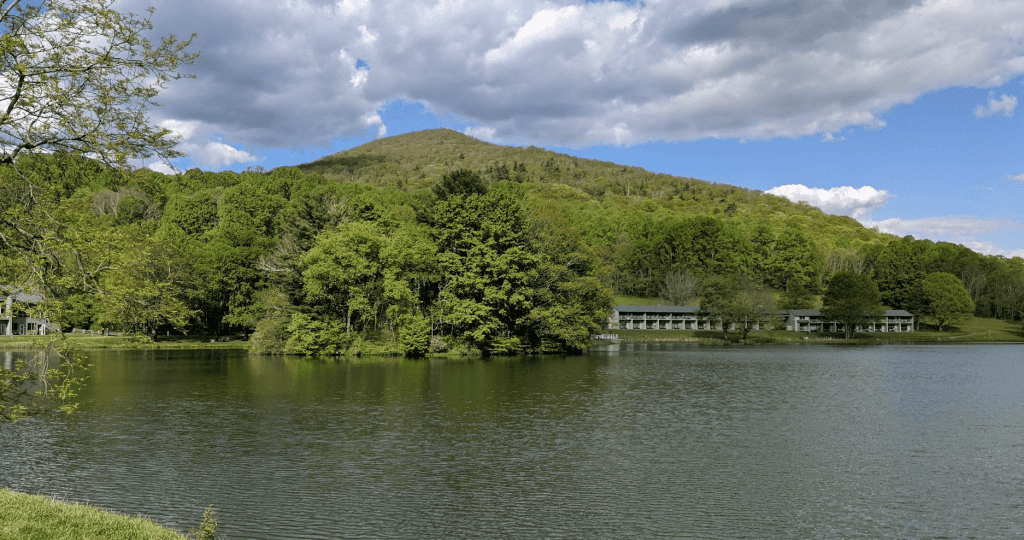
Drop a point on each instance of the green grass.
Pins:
(637, 301)
(34, 517)
(119, 342)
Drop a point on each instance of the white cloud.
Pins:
(572, 73)
(950, 226)
(859, 203)
(1017, 177)
(962, 230)
(162, 167)
(990, 248)
(180, 128)
(844, 200)
(482, 133)
(216, 154)
(204, 149)
(1003, 106)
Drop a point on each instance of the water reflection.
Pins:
(650, 440)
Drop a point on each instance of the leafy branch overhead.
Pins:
(78, 76)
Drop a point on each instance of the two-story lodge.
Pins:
(796, 320)
(13, 320)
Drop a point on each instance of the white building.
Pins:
(796, 320)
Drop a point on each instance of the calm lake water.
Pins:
(634, 441)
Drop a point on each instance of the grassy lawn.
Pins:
(120, 342)
(34, 517)
(976, 329)
(637, 301)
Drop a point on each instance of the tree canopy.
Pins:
(79, 76)
(852, 299)
(77, 80)
(946, 300)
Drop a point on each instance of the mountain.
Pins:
(418, 160)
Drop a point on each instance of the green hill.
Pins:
(419, 160)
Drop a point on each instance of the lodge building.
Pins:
(797, 320)
(14, 321)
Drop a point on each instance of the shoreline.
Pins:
(30, 516)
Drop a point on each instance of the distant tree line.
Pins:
(308, 264)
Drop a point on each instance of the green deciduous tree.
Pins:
(946, 300)
(797, 295)
(487, 260)
(796, 257)
(79, 76)
(680, 287)
(736, 301)
(852, 299)
(41, 380)
(718, 301)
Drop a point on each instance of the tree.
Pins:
(852, 299)
(48, 379)
(680, 287)
(77, 76)
(946, 299)
(736, 300)
(487, 258)
(797, 295)
(796, 257)
(718, 301)
(755, 306)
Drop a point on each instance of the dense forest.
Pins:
(429, 242)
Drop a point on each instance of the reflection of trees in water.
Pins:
(32, 382)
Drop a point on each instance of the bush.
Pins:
(309, 335)
(414, 336)
(270, 336)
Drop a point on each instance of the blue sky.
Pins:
(899, 113)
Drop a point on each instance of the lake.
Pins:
(627, 441)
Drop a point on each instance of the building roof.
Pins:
(19, 295)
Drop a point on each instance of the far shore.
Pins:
(974, 330)
(98, 341)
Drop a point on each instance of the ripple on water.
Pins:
(659, 442)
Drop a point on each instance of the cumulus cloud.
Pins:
(962, 230)
(197, 142)
(844, 200)
(990, 248)
(215, 155)
(576, 73)
(1017, 177)
(482, 133)
(949, 226)
(1003, 106)
(859, 203)
(161, 167)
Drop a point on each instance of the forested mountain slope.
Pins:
(420, 159)
(647, 226)
(429, 241)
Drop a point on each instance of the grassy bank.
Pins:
(975, 330)
(33, 517)
(87, 341)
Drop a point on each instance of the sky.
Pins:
(901, 114)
